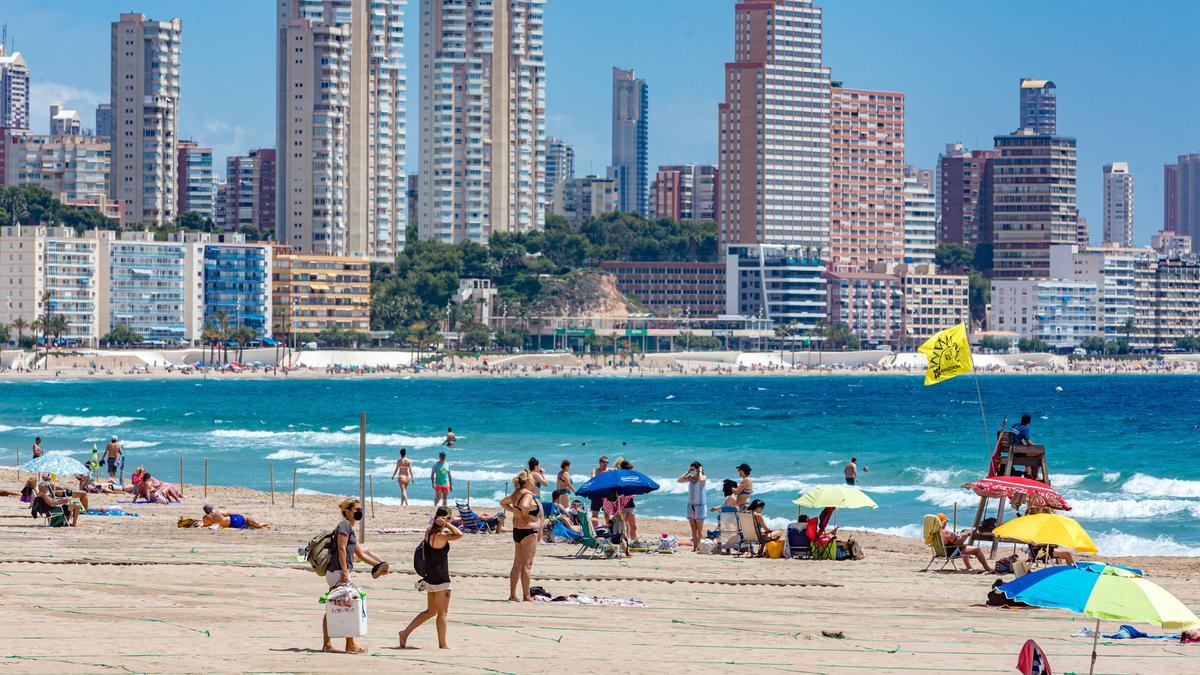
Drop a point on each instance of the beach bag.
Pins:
(319, 553)
(667, 543)
(419, 560)
(707, 546)
(774, 549)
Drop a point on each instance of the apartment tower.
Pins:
(483, 119)
(560, 165)
(964, 189)
(1187, 198)
(1170, 197)
(145, 114)
(1033, 202)
(685, 192)
(630, 141)
(196, 188)
(14, 90)
(1039, 106)
(773, 138)
(1118, 204)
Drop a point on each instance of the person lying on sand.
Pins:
(152, 489)
(86, 484)
(231, 520)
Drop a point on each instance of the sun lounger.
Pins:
(590, 542)
(932, 527)
(471, 522)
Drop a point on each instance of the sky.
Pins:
(1128, 74)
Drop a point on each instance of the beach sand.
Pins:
(143, 595)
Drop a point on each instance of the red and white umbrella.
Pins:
(1036, 493)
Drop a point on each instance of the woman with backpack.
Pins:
(341, 563)
(432, 563)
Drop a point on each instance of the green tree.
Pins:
(5, 336)
(952, 258)
(705, 343)
(476, 337)
(121, 335)
(1095, 344)
(981, 260)
(20, 325)
(1033, 345)
(835, 335)
(979, 295)
(994, 343)
(191, 221)
(1189, 344)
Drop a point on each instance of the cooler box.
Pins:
(346, 622)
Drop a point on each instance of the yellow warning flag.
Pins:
(948, 353)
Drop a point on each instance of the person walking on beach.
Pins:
(527, 517)
(538, 476)
(443, 482)
(341, 563)
(37, 447)
(435, 578)
(403, 475)
(745, 488)
(697, 504)
(597, 502)
(112, 453)
(451, 439)
(563, 480)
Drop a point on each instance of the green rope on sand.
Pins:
(139, 618)
(539, 637)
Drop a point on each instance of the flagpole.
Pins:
(982, 414)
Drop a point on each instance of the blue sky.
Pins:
(1128, 74)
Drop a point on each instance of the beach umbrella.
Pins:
(1038, 494)
(1048, 528)
(55, 463)
(1101, 591)
(836, 496)
(624, 481)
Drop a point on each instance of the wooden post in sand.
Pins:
(372, 487)
(293, 486)
(362, 471)
(468, 493)
(205, 477)
(271, 476)
(18, 464)
(181, 475)
(954, 527)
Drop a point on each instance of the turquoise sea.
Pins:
(1123, 449)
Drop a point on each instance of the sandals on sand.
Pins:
(379, 570)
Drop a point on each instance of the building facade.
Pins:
(237, 286)
(1113, 270)
(1187, 198)
(1169, 244)
(311, 293)
(631, 141)
(72, 168)
(932, 301)
(1039, 106)
(1168, 303)
(685, 192)
(145, 112)
(64, 122)
(153, 287)
(964, 189)
(583, 198)
(1118, 204)
(783, 284)
(1170, 197)
(14, 90)
(560, 165)
(870, 304)
(196, 186)
(483, 119)
(1059, 312)
(688, 289)
(773, 140)
(104, 121)
(920, 216)
(866, 183)
(248, 195)
(1033, 202)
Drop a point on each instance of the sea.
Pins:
(1123, 449)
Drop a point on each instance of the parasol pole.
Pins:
(1095, 642)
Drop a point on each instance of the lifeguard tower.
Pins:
(1023, 461)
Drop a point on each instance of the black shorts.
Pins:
(112, 464)
(597, 502)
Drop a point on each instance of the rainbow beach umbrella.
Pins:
(1101, 591)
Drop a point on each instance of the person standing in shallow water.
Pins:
(403, 475)
(451, 439)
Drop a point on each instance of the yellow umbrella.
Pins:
(1048, 528)
(837, 496)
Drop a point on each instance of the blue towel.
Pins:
(560, 530)
(1127, 632)
(111, 513)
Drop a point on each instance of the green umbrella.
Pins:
(837, 496)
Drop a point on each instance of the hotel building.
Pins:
(311, 293)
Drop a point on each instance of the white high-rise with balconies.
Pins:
(483, 119)
(1118, 204)
(340, 127)
(145, 113)
(14, 90)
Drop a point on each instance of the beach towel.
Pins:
(562, 531)
(399, 530)
(586, 600)
(1127, 632)
(111, 513)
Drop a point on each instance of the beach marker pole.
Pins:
(206, 477)
(954, 527)
(362, 471)
(181, 474)
(271, 476)
(372, 488)
(468, 493)
(293, 486)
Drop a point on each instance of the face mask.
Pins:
(358, 514)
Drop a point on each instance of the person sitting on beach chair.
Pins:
(959, 540)
(61, 511)
(763, 533)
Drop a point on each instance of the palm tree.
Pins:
(20, 325)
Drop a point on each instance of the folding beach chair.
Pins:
(729, 535)
(590, 542)
(749, 531)
(471, 522)
(932, 527)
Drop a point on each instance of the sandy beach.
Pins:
(141, 594)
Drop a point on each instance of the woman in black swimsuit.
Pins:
(527, 516)
(436, 581)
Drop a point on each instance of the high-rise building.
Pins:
(1170, 197)
(1170, 244)
(104, 121)
(866, 179)
(70, 167)
(560, 165)
(64, 122)
(14, 90)
(1059, 312)
(1083, 236)
(196, 188)
(630, 140)
(1039, 107)
(312, 293)
(920, 216)
(1118, 204)
(1187, 198)
(248, 195)
(583, 198)
(340, 127)
(773, 139)
(1033, 202)
(483, 118)
(414, 189)
(685, 192)
(1168, 302)
(964, 189)
(145, 111)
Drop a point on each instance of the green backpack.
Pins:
(320, 552)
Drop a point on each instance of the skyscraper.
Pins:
(1188, 198)
(14, 90)
(64, 122)
(1039, 107)
(774, 129)
(196, 188)
(866, 179)
(145, 113)
(483, 118)
(560, 165)
(1033, 202)
(964, 189)
(1118, 204)
(104, 121)
(1170, 197)
(249, 191)
(920, 216)
(340, 127)
(630, 140)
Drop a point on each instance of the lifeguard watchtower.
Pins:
(1022, 461)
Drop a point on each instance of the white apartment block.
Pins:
(14, 90)
(1113, 270)
(145, 112)
(155, 288)
(64, 122)
(74, 168)
(340, 127)
(483, 119)
(920, 220)
(932, 301)
(1168, 302)
(1062, 313)
(1118, 204)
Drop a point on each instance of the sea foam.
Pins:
(1142, 484)
(73, 421)
(325, 438)
(1117, 543)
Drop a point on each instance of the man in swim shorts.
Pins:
(234, 521)
(113, 452)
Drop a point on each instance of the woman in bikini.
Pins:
(744, 488)
(527, 517)
(539, 478)
(403, 475)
